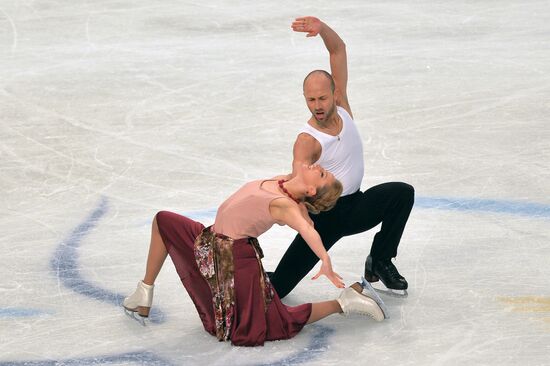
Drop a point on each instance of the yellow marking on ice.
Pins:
(532, 309)
(529, 304)
(526, 300)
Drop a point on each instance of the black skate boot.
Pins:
(384, 270)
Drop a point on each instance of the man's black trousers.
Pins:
(388, 203)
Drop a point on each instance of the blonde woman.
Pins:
(221, 268)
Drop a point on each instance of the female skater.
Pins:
(221, 268)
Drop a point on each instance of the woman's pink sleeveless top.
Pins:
(246, 212)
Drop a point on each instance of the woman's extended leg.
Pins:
(157, 255)
(320, 310)
(140, 301)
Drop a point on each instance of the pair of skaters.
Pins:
(220, 266)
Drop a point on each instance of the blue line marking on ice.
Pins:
(529, 209)
(317, 345)
(535, 210)
(137, 358)
(21, 312)
(66, 267)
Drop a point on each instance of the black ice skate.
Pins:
(384, 270)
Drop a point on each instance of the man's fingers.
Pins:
(299, 28)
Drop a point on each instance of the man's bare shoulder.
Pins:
(306, 149)
(304, 141)
(306, 138)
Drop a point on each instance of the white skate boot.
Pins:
(352, 302)
(140, 301)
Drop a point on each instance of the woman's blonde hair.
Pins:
(325, 198)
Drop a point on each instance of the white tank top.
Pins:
(341, 155)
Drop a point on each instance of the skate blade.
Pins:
(135, 316)
(401, 294)
(386, 291)
(367, 286)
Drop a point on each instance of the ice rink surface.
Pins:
(113, 110)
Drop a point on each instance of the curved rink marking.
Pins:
(65, 265)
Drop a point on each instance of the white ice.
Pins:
(113, 110)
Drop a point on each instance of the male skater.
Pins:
(330, 139)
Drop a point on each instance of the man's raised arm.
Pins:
(337, 51)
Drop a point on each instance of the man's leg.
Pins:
(389, 204)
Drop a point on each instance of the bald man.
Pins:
(330, 138)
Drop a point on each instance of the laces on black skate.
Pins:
(385, 270)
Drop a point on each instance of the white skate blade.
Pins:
(367, 286)
(386, 291)
(393, 293)
(134, 316)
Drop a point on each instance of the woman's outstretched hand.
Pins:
(309, 25)
(326, 269)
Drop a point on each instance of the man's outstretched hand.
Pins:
(309, 25)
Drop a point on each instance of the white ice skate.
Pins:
(139, 302)
(352, 302)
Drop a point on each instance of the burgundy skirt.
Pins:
(252, 325)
